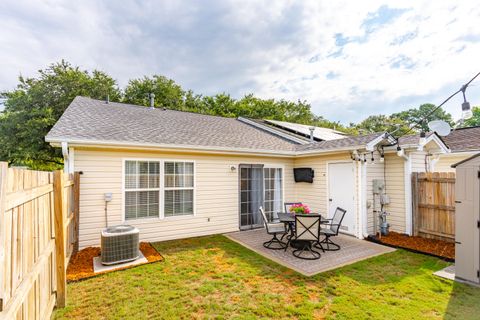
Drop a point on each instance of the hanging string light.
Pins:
(466, 110)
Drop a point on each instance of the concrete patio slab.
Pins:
(447, 273)
(352, 250)
(99, 267)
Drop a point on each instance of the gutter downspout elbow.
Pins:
(65, 156)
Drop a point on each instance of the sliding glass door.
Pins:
(259, 186)
(251, 195)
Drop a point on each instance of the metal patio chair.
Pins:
(331, 230)
(307, 233)
(274, 228)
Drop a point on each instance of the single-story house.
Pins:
(177, 174)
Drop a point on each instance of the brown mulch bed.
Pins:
(434, 247)
(81, 263)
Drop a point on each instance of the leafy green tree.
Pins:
(475, 120)
(412, 116)
(168, 94)
(380, 123)
(33, 107)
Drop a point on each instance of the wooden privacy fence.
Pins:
(433, 196)
(38, 234)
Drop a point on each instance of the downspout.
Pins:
(66, 156)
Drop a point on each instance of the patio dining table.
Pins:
(289, 219)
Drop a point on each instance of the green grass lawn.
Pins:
(215, 278)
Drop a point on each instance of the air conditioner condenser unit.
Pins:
(119, 244)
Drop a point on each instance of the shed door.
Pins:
(466, 216)
(341, 193)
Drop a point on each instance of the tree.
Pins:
(412, 116)
(475, 120)
(380, 123)
(33, 107)
(168, 94)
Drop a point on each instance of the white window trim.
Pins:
(161, 190)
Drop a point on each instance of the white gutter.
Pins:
(149, 146)
(56, 142)
(137, 145)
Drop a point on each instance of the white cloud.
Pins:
(280, 49)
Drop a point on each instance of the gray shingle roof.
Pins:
(464, 139)
(93, 120)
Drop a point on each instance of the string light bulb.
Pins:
(466, 110)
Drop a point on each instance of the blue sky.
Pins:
(348, 59)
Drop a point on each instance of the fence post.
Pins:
(415, 203)
(3, 193)
(60, 253)
(76, 208)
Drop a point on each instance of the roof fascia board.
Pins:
(186, 148)
(384, 136)
(442, 147)
(273, 131)
(172, 147)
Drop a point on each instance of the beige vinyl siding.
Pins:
(395, 188)
(444, 164)
(374, 171)
(216, 193)
(315, 194)
(418, 161)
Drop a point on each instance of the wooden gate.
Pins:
(433, 196)
(38, 233)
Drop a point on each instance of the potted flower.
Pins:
(299, 209)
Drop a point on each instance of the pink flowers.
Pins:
(299, 209)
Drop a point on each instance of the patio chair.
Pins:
(331, 230)
(307, 233)
(274, 228)
(287, 206)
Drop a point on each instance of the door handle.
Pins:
(330, 199)
(456, 201)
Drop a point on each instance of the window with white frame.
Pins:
(142, 189)
(179, 185)
(273, 199)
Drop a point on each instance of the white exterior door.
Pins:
(341, 193)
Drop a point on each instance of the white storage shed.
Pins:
(467, 219)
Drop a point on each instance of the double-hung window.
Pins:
(142, 187)
(147, 195)
(178, 188)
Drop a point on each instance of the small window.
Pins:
(142, 189)
(179, 182)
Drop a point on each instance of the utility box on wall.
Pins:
(378, 185)
(467, 220)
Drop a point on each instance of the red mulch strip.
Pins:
(81, 263)
(430, 246)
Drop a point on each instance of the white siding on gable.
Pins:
(216, 194)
